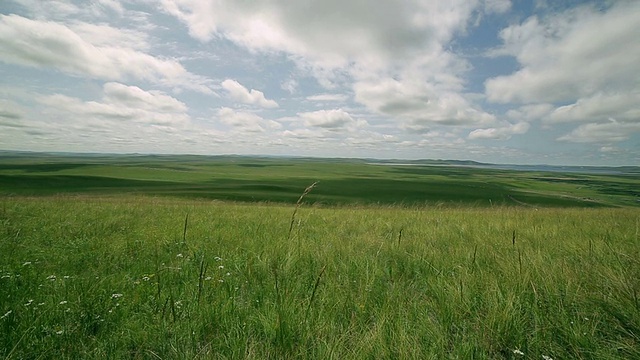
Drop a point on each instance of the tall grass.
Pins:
(132, 277)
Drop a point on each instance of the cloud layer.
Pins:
(488, 80)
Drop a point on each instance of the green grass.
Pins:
(94, 276)
(280, 180)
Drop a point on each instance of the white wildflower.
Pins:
(221, 267)
(146, 278)
(208, 278)
(66, 277)
(545, 357)
(63, 302)
(217, 258)
(51, 277)
(116, 296)
(518, 352)
(179, 255)
(228, 274)
(60, 332)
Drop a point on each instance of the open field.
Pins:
(211, 258)
(119, 277)
(341, 181)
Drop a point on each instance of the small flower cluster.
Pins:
(520, 353)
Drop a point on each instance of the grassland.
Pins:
(99, 264)
(341, 181)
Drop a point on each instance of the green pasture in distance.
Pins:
(340, 181)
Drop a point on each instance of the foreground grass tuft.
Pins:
(134, 277)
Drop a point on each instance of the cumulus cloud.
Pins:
(396, 57)
(328, 97)
(245, 121)
(342, 43)
(122, 103)
(134, 97)
(497, 6)
(609, 132)
(500, 133)
(576, 66)
(600, 106)
(242, 94)
(91, 50)
(328, 119)
(421, 105)
(314, 29)
(570, 55)
(530, 112)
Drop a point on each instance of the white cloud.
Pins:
(328, 119)
(600, 106)
(497, 6)
(421, 105)
(570, 55)
(134, 97)
(245, 121)
(290, 85)
(390, 78)
(121, 103)
(113, 5)
(240, 93)
(328, 97)
(530, 112)
(500, 133)
(46, 44)
(602, 132)
(302, 134)
(316, 29)
(393, 56)
(105, 35)
(577, 65)
(341, 42)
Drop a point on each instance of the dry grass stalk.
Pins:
(298, 204)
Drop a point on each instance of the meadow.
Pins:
(99, 264)
(341, 181)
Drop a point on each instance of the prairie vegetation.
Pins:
(341, 181)
(96, 274)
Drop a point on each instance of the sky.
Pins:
(517, 82)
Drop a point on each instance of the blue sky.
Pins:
(524, 82)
